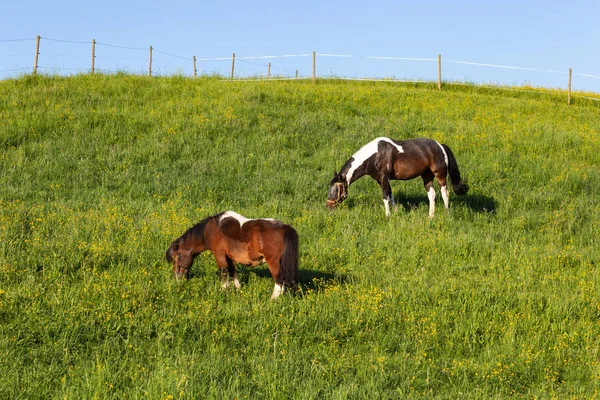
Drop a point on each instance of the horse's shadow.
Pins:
(315, 280)
(476, 202)
(309, 279)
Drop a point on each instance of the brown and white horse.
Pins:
(232, 239)
(385, 159)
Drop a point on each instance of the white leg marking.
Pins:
(445, 196)
(277, 290)
(387, 207)
(236, 283)
(225, 282)
(431, 195)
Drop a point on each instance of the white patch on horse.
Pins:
(367, 151)
(232, 214)
(240, 218)
(443, 151)
(277, 291)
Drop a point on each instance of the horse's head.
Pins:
(338, 191)
(182, 259)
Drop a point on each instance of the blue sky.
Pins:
(548, 37)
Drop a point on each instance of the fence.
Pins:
(257, 69)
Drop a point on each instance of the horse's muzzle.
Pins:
(331, 203)
(181, 275)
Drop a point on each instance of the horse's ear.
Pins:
(175, 246)
(334, 173)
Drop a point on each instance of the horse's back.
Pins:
(252, 239)
(420, 156)
(267, 230)
(417, 146)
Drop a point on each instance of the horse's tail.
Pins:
(289, 259)
(458, 185)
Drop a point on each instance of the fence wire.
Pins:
(257, 68)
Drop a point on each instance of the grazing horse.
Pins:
(233, 238)
(384, 159)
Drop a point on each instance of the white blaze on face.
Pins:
(367, 151)
(443, 151)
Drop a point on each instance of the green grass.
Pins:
(497, 298)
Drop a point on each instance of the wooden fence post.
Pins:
(314, 66)
(439, 72)
(150, 63)
(232, 65)
(269, 71)
(37, 53)
(296, 74)
(93, 55)
(569, 93)
(195, 70)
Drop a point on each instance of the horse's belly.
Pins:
(257, 262)
(245, 259)
(408, 170)
(405, 176)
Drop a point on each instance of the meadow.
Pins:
(496, 298)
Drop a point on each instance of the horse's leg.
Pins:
(236, 282)
(275, 273)
(224, 278)
(278, 289)
(233, 273)
(441, 179)
(223, 264)
(428, 183)
(386, 188)
(445, 196)
(394, 205)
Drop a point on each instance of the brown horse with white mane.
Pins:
(385, 159)
(232, 239)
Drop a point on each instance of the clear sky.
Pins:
(548, 37)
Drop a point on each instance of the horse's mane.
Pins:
(344, 170)
(197, 230)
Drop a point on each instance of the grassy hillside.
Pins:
(497, 298)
